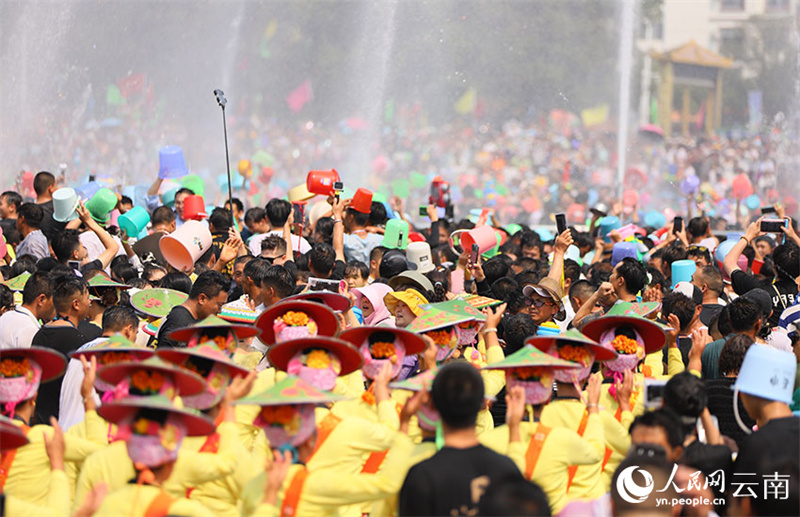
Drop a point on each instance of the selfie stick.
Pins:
(222, 101)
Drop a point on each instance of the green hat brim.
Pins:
(214, 323)
(291, 390)
(169, 298)
(528, 357)
(208, 351)
(433, 318)
(18, 282)
(572, 337)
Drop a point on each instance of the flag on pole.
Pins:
(466, 104)
(298, 97)
(594, 116)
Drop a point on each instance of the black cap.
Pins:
(393, 263)
(762, 298)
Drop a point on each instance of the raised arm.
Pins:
(730, 262)
(106, 239)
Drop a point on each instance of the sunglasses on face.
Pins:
(540, 303)
(695, 247)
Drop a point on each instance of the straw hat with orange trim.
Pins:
(293, 319)
(316, 360)
(652, 335)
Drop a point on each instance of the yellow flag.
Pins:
(594, 116)
(467, 102)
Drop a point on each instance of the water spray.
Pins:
(222, 101)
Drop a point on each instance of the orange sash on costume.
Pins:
(7, 458)
(211, 446)
(159, 507)
(535, 448)
(574, 468)
(292, 496)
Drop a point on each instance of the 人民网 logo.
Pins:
(630, 490)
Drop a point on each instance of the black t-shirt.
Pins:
(720, 404)
(177, 318)
(783, 292)
(64, 340)
(453, 481)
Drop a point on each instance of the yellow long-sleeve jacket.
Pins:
(331, 491)
(113, 466)
(29, 476)
(133, 500)
(568, 413)
(561, 448)
(56, 504)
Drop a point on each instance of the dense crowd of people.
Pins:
(338, 354)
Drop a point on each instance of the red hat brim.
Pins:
(186, 382)
(11, 437)
(279, 355)
(51, 362)
(653, 335)
(323, 316)
(178, 356)
(337, 302)
(412, 343)
(239, 330)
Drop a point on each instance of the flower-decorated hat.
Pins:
(336, 302)
(223, 333)
(11, 436)
(153, 428)
(646, 333)
(572, 346)
(157, 302)
(316, 360)
(287, 410)
(18, 282)
(210, 363)
(381, 345)
(468, 330)
(22, 370)
(116, 349)
(150, 377)
(296, 319)
(440, 325)
(532, 369)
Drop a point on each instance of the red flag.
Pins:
(298, 97)
(132, 85)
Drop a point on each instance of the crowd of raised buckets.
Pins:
(336, 352)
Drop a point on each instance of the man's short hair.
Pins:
(658, 470)
(685, 394)
(732, 354)
(581, 289)
(786, 258)
(680, 305)
(280, 279)
(254, 215)
(697, 226)
(117, 317)
(514, 496)
(322, 257)
(516, 329)
(38, 283)
(572, 270)
(66, 289)
(458, 393)
(237, 203)
(65, 244)
(495, 268)
(256, 270)
(43, 181)
(634, 274)
(664, 419)
(12, 198)
(360, 218)
(274, 242)
(163, 215)
(278, 211)
(743, 313)
(210, 283)
(220, 219)
(125, 200)
(377, 214)
(176, 280)
(32, 213)
(712, 277)
(356, 268)
(184, 190)
(377, 253)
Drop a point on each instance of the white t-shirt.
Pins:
(71, 410)
(17, 328)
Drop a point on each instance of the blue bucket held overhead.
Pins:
(622, 250)
(171, 163)
(608, 224)
(682, 271)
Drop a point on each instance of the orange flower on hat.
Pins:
(382, 350)
(624, 345)
(295, 319)
(114, 357)
(145, 382)
(15, 367)
(318, 359)
(529, 373)
(577, 354)
(279, 415)
(440, 337)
